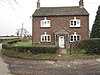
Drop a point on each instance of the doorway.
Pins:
(61, 42)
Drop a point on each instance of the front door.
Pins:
(61, 41)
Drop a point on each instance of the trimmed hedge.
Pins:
(33, 49)
(91, 46)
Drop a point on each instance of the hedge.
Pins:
(33, 49)
(91, 46)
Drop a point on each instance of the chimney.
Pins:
(81, 3)
(38, 4)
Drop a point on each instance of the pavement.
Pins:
(62, 51)
(3, 66)
(0, 46)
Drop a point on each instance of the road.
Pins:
(0, 46)
(3, 66)
(19, 66)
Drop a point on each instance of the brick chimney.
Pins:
(81, 3)
(38, 4)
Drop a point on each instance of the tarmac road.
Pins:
(0, 46)
(19, 66)
(45, 67)
(3, 66)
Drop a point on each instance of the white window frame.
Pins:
(75, 22)
(45, 23)
(75, 37)
(45, 37)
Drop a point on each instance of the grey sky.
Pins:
(12, 19)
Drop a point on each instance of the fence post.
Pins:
(70, 48)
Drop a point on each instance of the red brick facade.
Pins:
(56, 22)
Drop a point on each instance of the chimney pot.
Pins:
(38, 4)
(81, 3)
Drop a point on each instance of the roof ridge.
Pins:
(60, 7)
(60, 11)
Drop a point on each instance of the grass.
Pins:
(81, 55)
(28, 55)
(23, 43)
(74, 54)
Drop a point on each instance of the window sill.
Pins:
(45, 27)
(75, 27)
(45, 42)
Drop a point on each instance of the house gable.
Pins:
(61, 31)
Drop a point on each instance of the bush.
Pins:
(33, 49)
(92, 46)
(14, 41)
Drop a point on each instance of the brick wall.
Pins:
(56, 22)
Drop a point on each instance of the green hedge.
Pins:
(91, 46)
(33, 49)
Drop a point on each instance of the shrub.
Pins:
(33, 49)
(14, 41)
(92, 46)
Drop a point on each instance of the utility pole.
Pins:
(22, 31)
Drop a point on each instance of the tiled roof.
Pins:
(60, 11)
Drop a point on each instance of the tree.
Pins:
(95, 33)
(22, 32)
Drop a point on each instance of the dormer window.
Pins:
(75, 22)
(45, 23)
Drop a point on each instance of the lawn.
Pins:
(23, 43)
(45, 56)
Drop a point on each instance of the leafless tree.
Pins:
(22, 32)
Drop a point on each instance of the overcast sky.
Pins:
(12, 17)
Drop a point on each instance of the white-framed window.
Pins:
(75, 22)
(45, 23)
(45, 37)
(74, 37)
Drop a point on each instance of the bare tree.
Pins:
(22, 32)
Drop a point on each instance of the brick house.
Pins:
(60, 25)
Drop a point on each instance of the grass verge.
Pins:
(29, 55)
(43, 56)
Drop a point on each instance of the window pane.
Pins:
(74, 23)
(74, 38)
(42, 38)
(71, 22)
(45, 38)
(48, 38)
(71, 38)
(48, 22)
(42, 22)
(78, 22)
(45, 22)
(78, 37)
